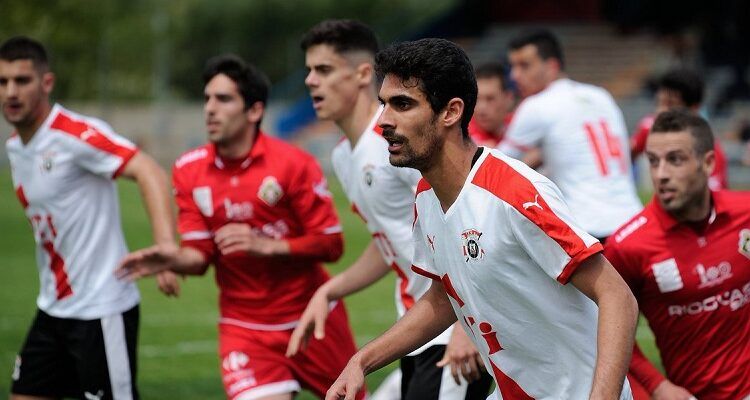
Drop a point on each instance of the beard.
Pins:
(420, 156)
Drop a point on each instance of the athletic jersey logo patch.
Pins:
(744, 243)
(368, 174)
(270, 191)
(471, 248)
(667, 275)
(202, 198)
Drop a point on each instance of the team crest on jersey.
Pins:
(202, 197)
(744, 244)
(472, 249)
(270, 191)
(47, 161)
(368, 174)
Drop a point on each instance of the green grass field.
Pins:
(177, 347)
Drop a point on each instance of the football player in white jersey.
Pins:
(549, 314)
(581, 133)
(82, 342)
(340, 56)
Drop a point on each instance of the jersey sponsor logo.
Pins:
(321, 189)
(276, 230)
(203, 199)
(744, 243)
(530, 204)
(713, 275)
(667, 275)
(238, 211)
(630, 228)
(190, 156)
(471, 248)
(368, 174)
(270, 191)
(734, 299)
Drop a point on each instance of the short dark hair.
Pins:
(680, 120)
(253, 84)
(494, 69)
(546, 43)
(24, 48)
(442, 69)
(344, 35)
(686, 82)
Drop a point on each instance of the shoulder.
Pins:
(737, 202)
(13, 142)
(77, 125)
(192, 158)
(507, 179)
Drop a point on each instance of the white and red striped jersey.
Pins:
(584, 143)
(383, 196)
(505, 250)
(64, 178)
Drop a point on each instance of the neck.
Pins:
(26, 131)
(240, 147)
(354, 123)
(698, 210)
(448, 174)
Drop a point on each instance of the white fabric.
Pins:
(74, 210)
(118, 361)
(384, 197)
(556, 120)
(510, 289)
(270, 389)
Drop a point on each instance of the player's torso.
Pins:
(586, 154)
(514, 312)
(699, 285)
(75, 219)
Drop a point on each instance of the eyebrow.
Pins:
(399, 97)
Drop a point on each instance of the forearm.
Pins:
(319, 247)
(368, 269)
(429, 316)
(189, 261)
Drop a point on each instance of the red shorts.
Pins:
(254, 365)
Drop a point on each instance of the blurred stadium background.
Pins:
(137, 65)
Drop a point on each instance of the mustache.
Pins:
(391, 135)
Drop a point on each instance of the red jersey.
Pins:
(278, 190)
(486, 138)
(718, 179)
(693, 287)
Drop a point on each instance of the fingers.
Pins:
(299, 338)
(168, 283)
(320, 325)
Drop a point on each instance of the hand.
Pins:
(313, 319)
(462, 356)
(236, 237)
(146, 262)
(168, 283)
(669, 391)
(351, 381)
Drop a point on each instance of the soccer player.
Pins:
(500, 245)
(581, 133)
(340, 55)
(82, 342)
(259, 210)
(686, 257)
(680, 88)
(495, 101)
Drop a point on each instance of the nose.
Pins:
(385, 121)
(11, 89)
(311, 80)
(661, 172)
(208, 106)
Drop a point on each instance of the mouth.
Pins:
(395, 141)
(317, 100)
(666, 194)
(13, 107)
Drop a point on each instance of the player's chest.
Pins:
(692, 268)
(373, 191)
(244, 196)
(45, 175)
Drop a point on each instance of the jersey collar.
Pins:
(668, 222)
(258, 149)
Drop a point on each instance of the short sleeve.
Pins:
(191, 224)
(547, 231)
(96, 148)
(311, 200)
(526, 131)
(422, 263)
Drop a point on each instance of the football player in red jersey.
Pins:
(259, 210)
(495, 101)
(686, 257)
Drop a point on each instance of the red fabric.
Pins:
(639, 392)
(643, 372)
(700, 307)
(497, 177)
(22, 197)
(406, 298)
(280, 192)
(57, 264)
(259, 358)
(483, 137)
(507, 386)
(426, 274)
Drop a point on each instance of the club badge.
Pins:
(368, 174)
(270, 191)
(744, 243)
(202, 197)
(471, 248)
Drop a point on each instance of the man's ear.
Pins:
(48, 82)
(255, 112)
(709, 162)
(453, 112)
(365, 74)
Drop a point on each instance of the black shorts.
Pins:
(93, 359)
(422, 380)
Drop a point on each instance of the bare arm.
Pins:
(154, 187)
(430, 315)
(158, 258)
(618, 315)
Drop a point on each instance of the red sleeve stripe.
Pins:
(425, 273)
(92, 136)
(575, 261)
(22, 197)
(125, 160)
(500, 179)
